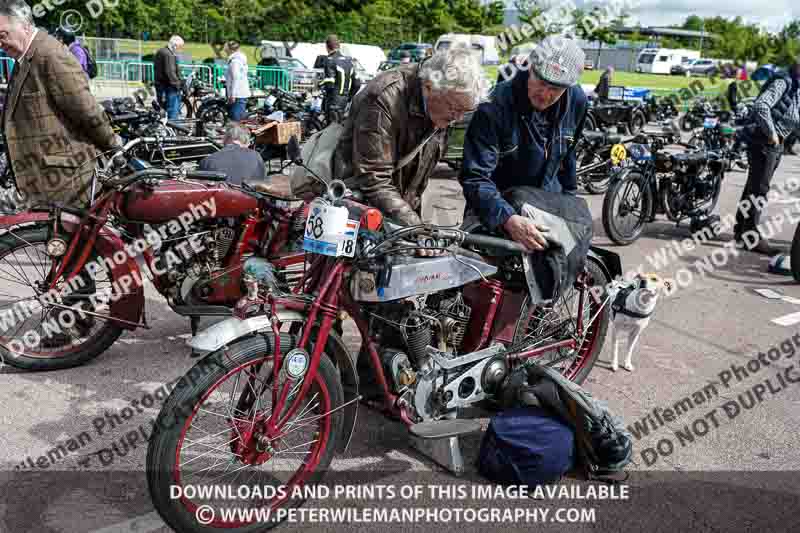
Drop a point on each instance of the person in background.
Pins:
(339, 82)
(541, 107)
(405, 57)
(776, 113)
(236, 159)
(52, 123)
(237, 85)
(67, 36)
(601, 90)
(168, 80)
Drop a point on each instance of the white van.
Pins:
(661, 60)
(483, 46)
(370, 57)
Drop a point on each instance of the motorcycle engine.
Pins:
(192, 274)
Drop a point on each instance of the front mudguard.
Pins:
(130, 305)
(608, 261)
(227, 331)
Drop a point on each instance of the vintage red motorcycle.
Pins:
(46, 251)
(275, 397)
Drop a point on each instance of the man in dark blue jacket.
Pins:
(524, 136)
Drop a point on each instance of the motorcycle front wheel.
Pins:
(626, 208)
(542, 325)
(42, 334)
(211, 432)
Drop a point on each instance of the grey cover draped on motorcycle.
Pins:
(550, 272)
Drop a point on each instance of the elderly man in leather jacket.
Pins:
(524, 136)
(396, 131)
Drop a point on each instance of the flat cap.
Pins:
(558, 60)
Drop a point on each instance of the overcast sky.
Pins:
(771, 13)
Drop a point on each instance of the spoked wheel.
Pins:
(55, 332)
(626, 208)
(543, 325)
(213, 433)
(214, 119)
(597, 180)
(638, 122)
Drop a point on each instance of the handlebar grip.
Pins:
(494, 242)
(207, 175)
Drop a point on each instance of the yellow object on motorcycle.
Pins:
(618, 154)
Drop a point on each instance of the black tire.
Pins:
(638, 122)
(589, 124)
(596, 182)
(622, 188)
(794, 256)
(696, 142)
(578, 369)
(96, 343)
(186, 107)
(686, 123)
(183, 404)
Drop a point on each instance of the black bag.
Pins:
(604, 446)
(571, 227)
(526, 446)
(91, 65)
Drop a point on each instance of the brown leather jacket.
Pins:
(387, 121)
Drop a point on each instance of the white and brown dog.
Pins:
(632, 304)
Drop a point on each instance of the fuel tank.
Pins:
(172, 198)
(412, 276)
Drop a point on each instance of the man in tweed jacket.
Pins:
(53, 124)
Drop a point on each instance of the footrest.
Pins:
(442, 429)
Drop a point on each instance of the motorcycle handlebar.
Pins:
(493, 242)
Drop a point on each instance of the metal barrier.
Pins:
(262, 78)
(111, 71)
(140, 71)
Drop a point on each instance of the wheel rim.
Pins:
(31, 328)
(546, 325)
(235, 423)
(627, 207)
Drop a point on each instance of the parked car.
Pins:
(388, 65)
(704, 67)
(416, 50)
(682, 69)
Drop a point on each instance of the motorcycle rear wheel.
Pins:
(52, 344)
(246, 362)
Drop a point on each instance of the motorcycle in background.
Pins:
(47, 249)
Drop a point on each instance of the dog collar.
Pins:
(619, 304)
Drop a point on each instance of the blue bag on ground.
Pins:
(526, 446)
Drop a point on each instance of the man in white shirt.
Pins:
(237, 85)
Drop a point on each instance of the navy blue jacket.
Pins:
(503, 150)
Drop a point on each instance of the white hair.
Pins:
(455, 69)
(175, 41)
(237, 133)
(18, 10)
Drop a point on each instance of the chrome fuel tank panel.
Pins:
(412, 276)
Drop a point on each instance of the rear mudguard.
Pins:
(130, 306)
(223, 333)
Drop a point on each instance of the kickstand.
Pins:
(194, 322)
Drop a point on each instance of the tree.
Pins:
(592, 26)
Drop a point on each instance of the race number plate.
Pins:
(618, 154)
(329, 231)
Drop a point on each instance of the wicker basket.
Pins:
(277, 132)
